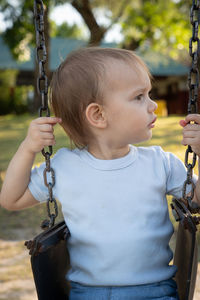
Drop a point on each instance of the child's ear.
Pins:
(95, 115)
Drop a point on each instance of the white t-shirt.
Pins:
(117, 213)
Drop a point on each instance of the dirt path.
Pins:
(16, 281)
(197, 291)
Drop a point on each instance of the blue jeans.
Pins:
(164, 290)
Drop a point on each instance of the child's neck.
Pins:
(107, 153)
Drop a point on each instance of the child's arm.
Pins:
(15, 194)
(191, 136)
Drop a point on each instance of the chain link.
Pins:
(193, 84)
(42, 87)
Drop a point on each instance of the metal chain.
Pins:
(42, 86)
(193, 83)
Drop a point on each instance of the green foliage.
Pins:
(161, 25)
(20, 33)
(21, 99)
(66, 30)
(111, 8)
(7, 80)
(12, 98)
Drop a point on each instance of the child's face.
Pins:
(128, 107)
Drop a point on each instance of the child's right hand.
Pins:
(40, 134)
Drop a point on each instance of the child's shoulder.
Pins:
(65, 153)
(156, 152)
(150, 150)
(65, 158)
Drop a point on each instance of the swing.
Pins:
(49, 255)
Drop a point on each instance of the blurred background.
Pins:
(158, 31)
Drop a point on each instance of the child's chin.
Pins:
(148, 137)
(142, 141)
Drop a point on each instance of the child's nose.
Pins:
(152, 105)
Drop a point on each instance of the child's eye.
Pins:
(139, 97)
(150, 94)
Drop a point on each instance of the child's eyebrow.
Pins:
(141, 90)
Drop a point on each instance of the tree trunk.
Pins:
(131, 45)
(97, 32)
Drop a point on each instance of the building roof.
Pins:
(161, 65)
(158, 64)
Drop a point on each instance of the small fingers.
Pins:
(188, 134)
(188, 141)
(46, 128)
(48, 120)
(40, 133)
(193, 118)
(47, 135)
(192, 127)
(43, 124)
(192, 134)
(49, 142)
(47, 139)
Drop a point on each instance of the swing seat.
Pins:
(186, 251)
(186, 260)
(50, 262)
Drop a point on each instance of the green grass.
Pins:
(167, 134)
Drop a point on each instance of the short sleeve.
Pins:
(36, 185)
(176, 175)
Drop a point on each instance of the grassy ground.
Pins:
(16, 282)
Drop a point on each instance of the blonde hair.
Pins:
(80, 80)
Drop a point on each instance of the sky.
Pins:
(67, 13)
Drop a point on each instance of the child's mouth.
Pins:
(152, 124)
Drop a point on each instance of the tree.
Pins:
(161, 25)
(21, 25)
(65, 30)
(87, 9)
(22, 32)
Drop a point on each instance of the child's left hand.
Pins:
(191, 132)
